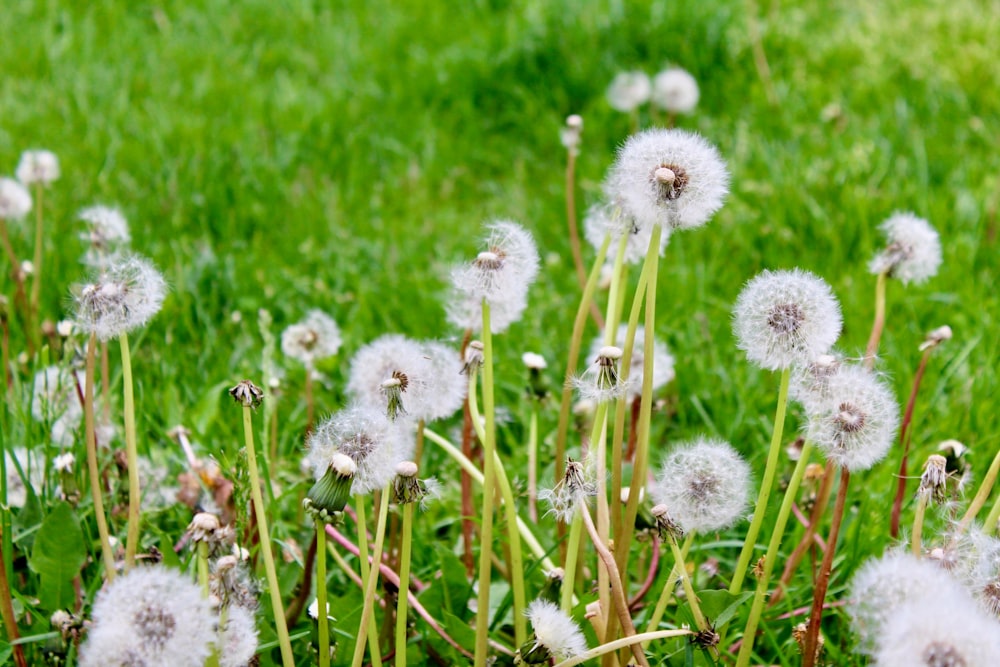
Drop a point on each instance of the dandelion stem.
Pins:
(699, 618)
(918, 524)
(981, 495)
(572, 555)
(533, 464)
(7, 609)
(990, 526)
(489, 490)
(366, 574)
(904, 442)
(404, 585)
(667, 592)
(132, 455)
(20, 299)
(819, 592)
(749, 633)
(322, 608)
(624, 642)
(598, 440)
(574, 233)
(260, 514)
(92, 467)
(36, 283)
(203, 567)
(871, 351)
(368, 628)
(309, 399)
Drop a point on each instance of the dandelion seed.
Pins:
(15, 200)
(123, 299)
(238, 639)
(601, 382)
(912, 252)
(37, 166)
(316, 337)
(372, 443)
(628, 91)
(783, 318)
(574, 487)
(675, 90)
(557, 636)
(671, 178)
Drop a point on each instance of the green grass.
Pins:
(344, 155)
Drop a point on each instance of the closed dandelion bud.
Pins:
(537, 386)
(124, 298)
(203, 527)
(331, 493)
(629, 90)
(672, 178)
(856, 425)
(572, 489)
(556, 636)
(473, 357)
(912, 252)
(601, 382)
(247, 394)
(372, 443)
(936, 337)
(406, 488)
(150, 616)
(675, 91)
(15, 200)
(314, 338)
(37, 166)
(782, 318)
(933, 482)
(705, 485)
(666, 528)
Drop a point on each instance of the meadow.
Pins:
(345, 156)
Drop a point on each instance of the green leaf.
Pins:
(719, 606)
(451, 591)
(57, 556)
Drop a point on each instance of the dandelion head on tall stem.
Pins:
(121, 299)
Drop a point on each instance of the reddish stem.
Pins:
(904, 441)
(654, 566)
(468, 509)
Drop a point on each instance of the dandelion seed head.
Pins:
(107, 235)
(54, 396)
(913, 249)
(316, 337)
(782, 318)
(809, 382)
(663, 361)
(602, 382)
(629, 90)
(238, 639)
(610, 218)
(124, 298)
(364, 435)
(675, 91)
(37, 166)
(556, 636)
(15, 200)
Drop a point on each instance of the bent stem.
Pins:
(980, 498)
(750, 631)
(367, 628)
(404, 585)
(92, 467)
(260, 515)
(132, 455)
(904, 442)
(624, 642)
(322, 607)
(819, 592)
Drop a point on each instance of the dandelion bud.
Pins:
(936, 337)
(330, 494)
(556, 636)
(473, 357)
(666, 528)
(933, 481)
(125, 297)
(247, 394)
(37, 166)
(675, 91)
(663, 361)
(912, 252)
(15, 200)
(628, 91)
(569, 135)
(203, 527)
(406, 488)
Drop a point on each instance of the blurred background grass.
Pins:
(343, 155)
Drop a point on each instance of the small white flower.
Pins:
(783, 318)
(629, 90)
(912, 252)
(37, 166)
(123, 299)
(557, 636)
(534, 361)
(675, 90)
(15, 200)
(672, 178)
(315, 337)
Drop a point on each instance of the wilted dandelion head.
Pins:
(575, 487)
(557, 637)
(629, 90)
(150, 616)
(124, 298)
(238, 639)
(882, 585)
(663, 361)
(610, 218)
(705, 485)
(364, 435)
(316, 337)
(783, 318)
(912, 252)
(37, 166)
(671, 178)
(856, 424)
(501, 274)
(940, 630)
(675, 90)
(602, 381)
(15, 200)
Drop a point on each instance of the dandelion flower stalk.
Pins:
(878, 325)
(624, 642)
(533, 463)
(990, 525)
(572, 555)
(132, 454)
(36, 284)
(692, 598)
(982, 494)
(92, 466)
(367, 628)
(366, 575)
(249, 395)
(403, 598)
(321, 602)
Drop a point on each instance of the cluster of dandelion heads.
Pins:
(575, 487)
(107, 234)
(121, 299)
(783, 318)
(671, 178)
(15, 200)
(663, 361)
(557, 637)
(316, 337)
(882, 585)
(602, 380)
(856, 424)
(913, 249)
(37, 166)
(629, 91)
(501, 275)
(705, 485)
(675, 91)
(943, 630)
(363, 434)
(150, 616)
(54, 399)
(610, 218)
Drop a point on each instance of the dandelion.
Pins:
(675, 91)
(978, 568)
(809, 382)
(316, 337)
(574, 487)
(705, 485)
(610, 218)
(557, 636)
(671, 178)
(569, 135)
(107, 234)
(232, 583)
(37, 166)
(663, 361)
(783, 318)
(123, 299)
(150, 616)
(855, 426)
(238, 638)
(912, 252)
(601, 381)
(15, 200)
(367, 438)
(628, 91)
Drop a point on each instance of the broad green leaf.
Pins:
(719, 606)
(57, 556)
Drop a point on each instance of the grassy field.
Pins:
(344, 156)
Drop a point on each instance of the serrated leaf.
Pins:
(57, 556)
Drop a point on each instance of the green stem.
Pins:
(598, 439)
(533, 464)
(572, 553)
(699, 618)
(992, 518)
(132, 454)
(322, 606)
(260, 514)
(871, 351)
(624, 642)
(92, 466)
(359, 509)
(203, 567)
(918, 524)
(403, 598)
(980, 498)
(760, 509)
(667, 592)
(746, 649)
(489, 490)
(368, 628)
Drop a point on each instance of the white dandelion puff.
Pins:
(316, 337)
(629, 90)
(913, 249)
(37, 166)
(124, 298)
(783, 318)
(15, 200)
(238, 639)
(602, 381)
(575, 487)
(663, 361)
(556, 637)
(809, 382)
(363, 434)
(675, 91)
(107, 234)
